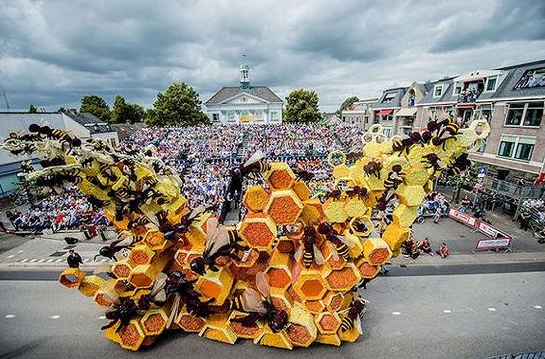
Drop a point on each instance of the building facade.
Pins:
(244, 104)
(359, 113)
(383, 110)
(82, 125)
(404, 118)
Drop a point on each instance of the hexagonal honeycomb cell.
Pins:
(314, 306)
(258, 230)
(140, 254)
(275, 340)
(405, 215)
(411, 195)
(154, 321)
(416, 177)
(216, 285)
(310, 284)
(312, 211)
(301, 190)
(156, 240)
(122, 268)
(343, 279)
(244, 331)
(284, 207)
(90, 284)
(71, 277)
(395, 235)
(131, 335)
(328, 322)
(336, 301)
(302, 330)
(376, 251)
(334, 210)
(330, 339)
(216, 328)
(107, 295)
(355, 208)
(256, 198)
(366, 269)
(326, 249)
(189, 322)
(280, 176)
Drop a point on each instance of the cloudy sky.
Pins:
(54, 51)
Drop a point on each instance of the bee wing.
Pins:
(357, 324)
(105, 267)
(299, 253)
(333, 251)
(160, 283)
(196, 212)
(441, 164)
(262, 283)
(251, 301)
(346, 241)
(173, 310)
(153, 218)
(318, 257)
(257, 156)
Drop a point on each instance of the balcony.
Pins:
(468, 96)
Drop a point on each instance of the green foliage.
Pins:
(126, 112)
(346, 104)
(179, 105)
(95, 105)
(32, 109)
(302, 107)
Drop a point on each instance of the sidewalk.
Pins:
(476, 258)
(51, 251)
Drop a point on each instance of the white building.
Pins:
(244, 104)
(82, 125)
(359, 113)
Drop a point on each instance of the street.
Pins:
(451, 316)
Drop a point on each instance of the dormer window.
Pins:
(491, 83)
(389, 97)
(457, 88)
(437, 90)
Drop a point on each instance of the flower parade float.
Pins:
(286, 275)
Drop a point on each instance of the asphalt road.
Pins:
(459, 316)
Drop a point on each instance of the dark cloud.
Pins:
(53, 52)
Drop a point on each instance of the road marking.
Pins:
(59, 260)
(24, 260)
(55, 317)
(102, 317)
(491, 309)
(33, 260)
(41, 260)
(396, 313)
(448, 311)
(21, 251)
(538, 307)
(11, 256)
(50, 260)
(9, 316)
(87, 260)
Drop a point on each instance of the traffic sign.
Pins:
(481, 172)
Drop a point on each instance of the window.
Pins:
(534, 112)
(389, 97)
(506, 147)
(274, 116)
(531, 113)
(457, 88)
(437, 90)
(520, 148)
(531, 78)
(491, 83)
(387, 131)
(484, 112)
(215, 117)
(514, 114)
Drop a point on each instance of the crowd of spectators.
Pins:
(68, 210)
(203, 156)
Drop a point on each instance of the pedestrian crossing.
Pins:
(56, 260)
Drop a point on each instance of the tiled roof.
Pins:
(90, 121)
(262, 92)
(506, 88)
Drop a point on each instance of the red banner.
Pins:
(481, 226)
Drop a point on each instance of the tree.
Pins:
(32, 109)
(302, 107)
(95, 105)
(126, 112)
(346, 104)
(179, 105)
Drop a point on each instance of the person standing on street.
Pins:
(74, 259)
(525, 217)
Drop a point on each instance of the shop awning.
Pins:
(386, 111)
(406, 112)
